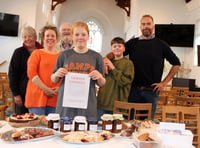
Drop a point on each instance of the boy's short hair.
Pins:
(117, 40)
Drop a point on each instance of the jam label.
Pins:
(67, 127)
(55, 125)
(93, 127)
(108, 126)
(81, 127)
(119, 126)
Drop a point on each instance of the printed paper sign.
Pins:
(76, 90)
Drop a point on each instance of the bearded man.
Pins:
(66, 37)
(148, 54)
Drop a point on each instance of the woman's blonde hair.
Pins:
(30, 30)
(80, 24)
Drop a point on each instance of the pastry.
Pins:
(143, 137)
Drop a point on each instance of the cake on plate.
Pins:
(28, 119)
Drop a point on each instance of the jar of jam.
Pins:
(117, 123)
(80, 123)
(92, 124)
(65, 124)
(53, 121)
(107, 122)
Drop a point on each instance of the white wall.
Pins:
(166, 12)
(110, 17)
(26, 9)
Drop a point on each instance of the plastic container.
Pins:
(65, 124)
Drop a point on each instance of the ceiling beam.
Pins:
(124, 4)
(55, 3)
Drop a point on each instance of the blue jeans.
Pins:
(144, 96)
(42, 110)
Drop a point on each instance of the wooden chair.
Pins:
(123, 108)
(9, 101)
(192, 94)
(187, 101)
(162, 100)
(168, 87)
(170, 96)
(3, 77)
(142, 110)
(180, 90)
(170, 114)
(6, 87)
(190, 116)
(2, 112)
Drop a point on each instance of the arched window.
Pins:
(95, 40)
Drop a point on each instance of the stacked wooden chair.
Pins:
(162, 100)
(6, 97)
(140, 110)
(170, 96)
(180, 91)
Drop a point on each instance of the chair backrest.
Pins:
(181, 90)
(3, 77)
(9, 101)
(192, 94)
(167, 87)
(2, 112)
(162, 100)
(123, 108)
(170, 114)
(142, 110)
(187, 101)
(170, 95)
(168, 92)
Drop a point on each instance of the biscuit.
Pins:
(144, 137)
(15, 135)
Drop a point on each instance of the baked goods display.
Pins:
(26, 134)
(43, 120)
(28, 119)
(137, 125)
(86, 137)
(135, 129)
